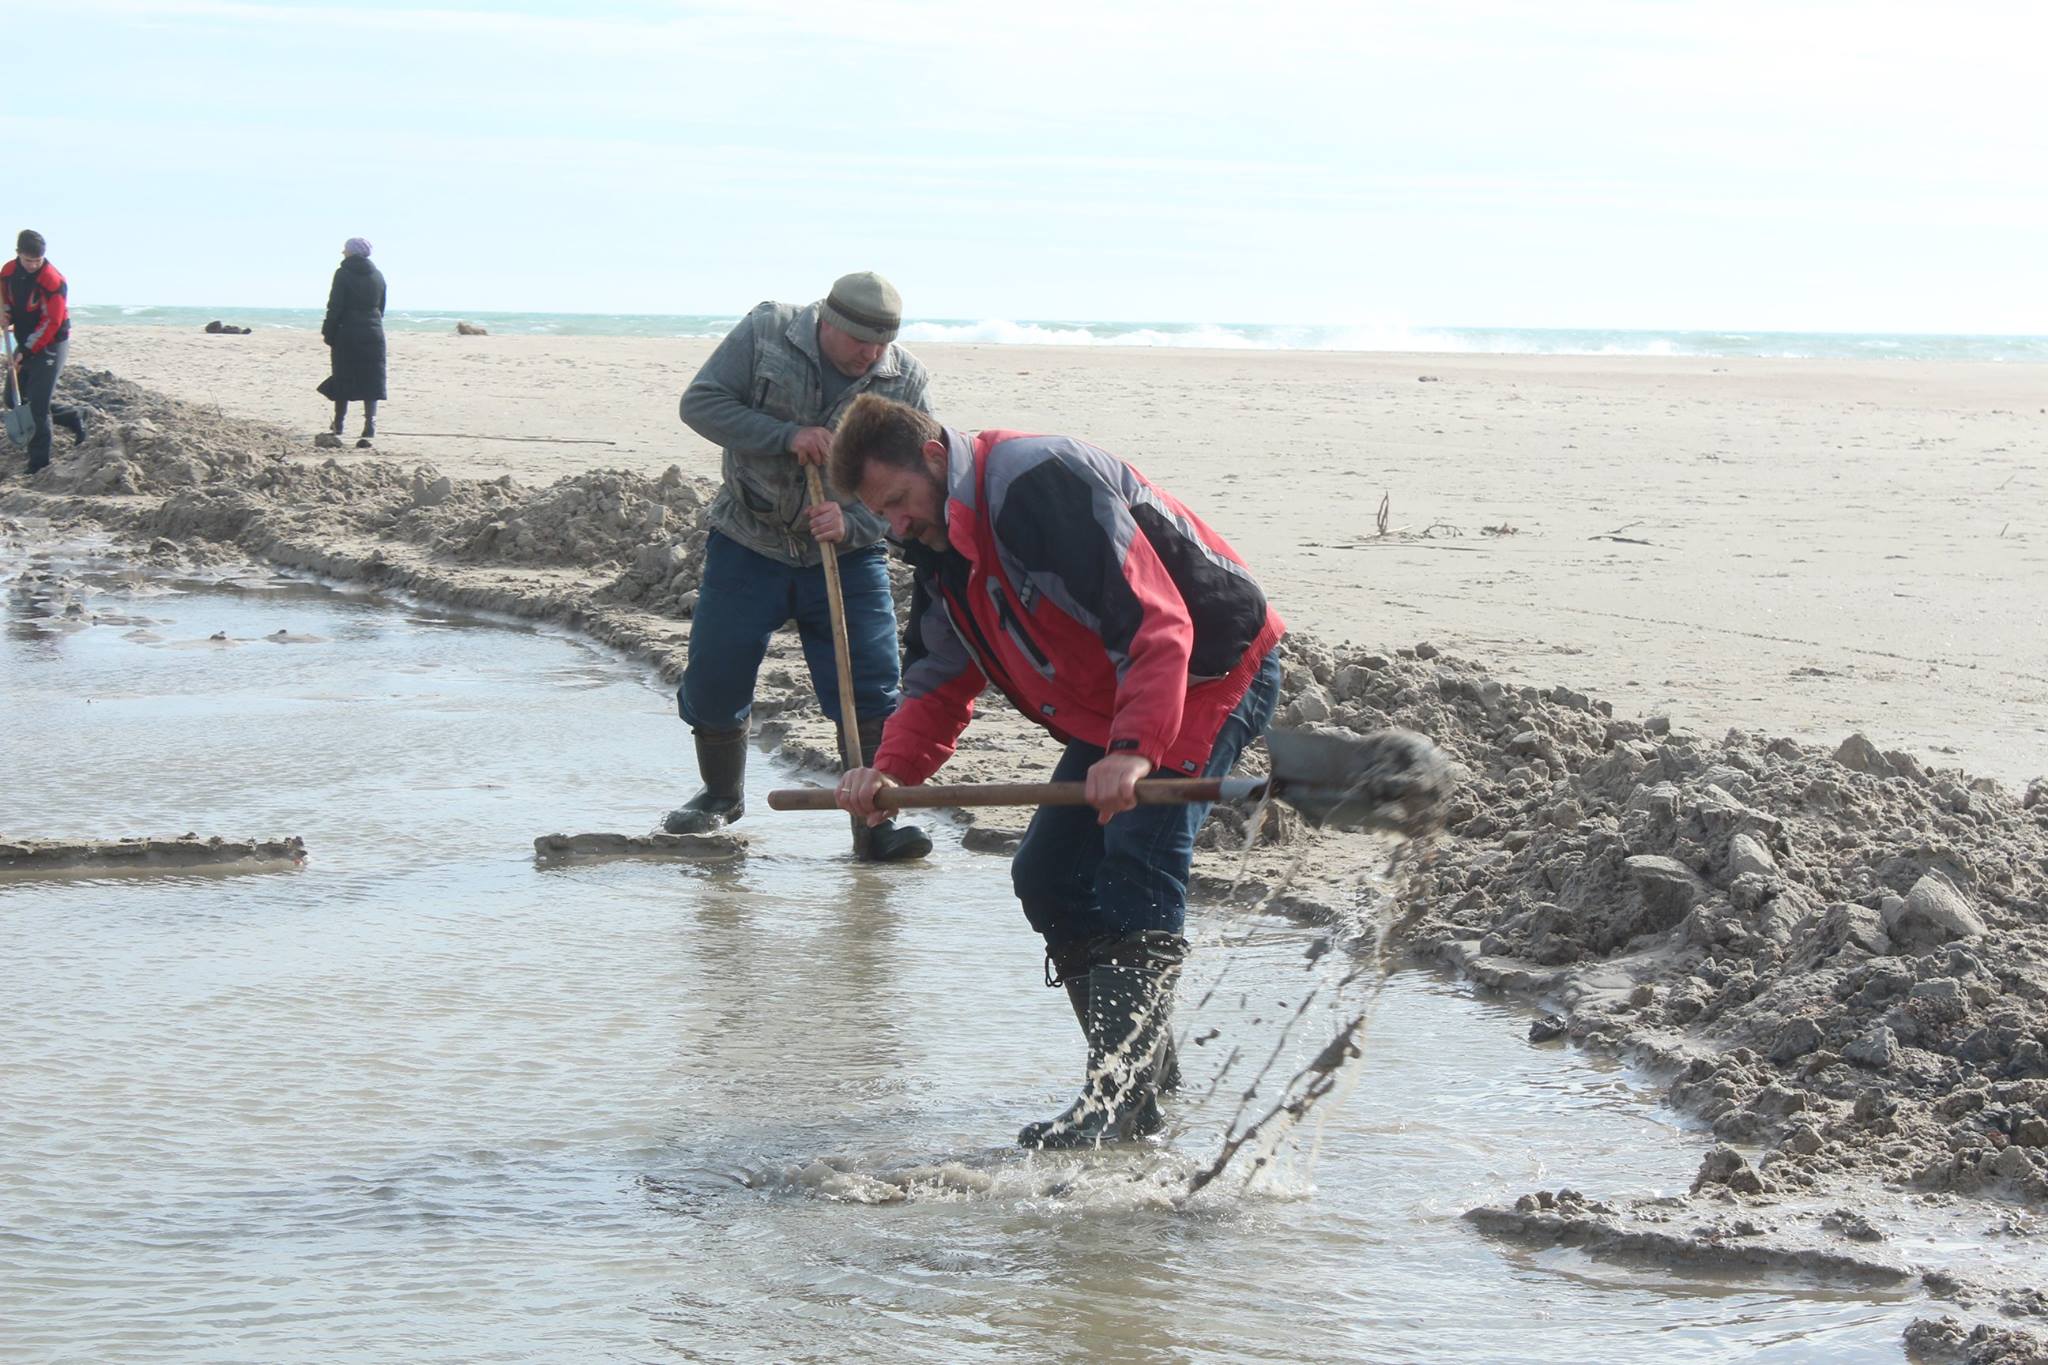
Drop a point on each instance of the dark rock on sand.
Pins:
(988, 839)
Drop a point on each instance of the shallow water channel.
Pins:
(422, 1100)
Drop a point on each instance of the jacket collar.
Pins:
(962, 485)
(802, 333)
(963, 493)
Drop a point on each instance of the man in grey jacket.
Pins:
(770, 395)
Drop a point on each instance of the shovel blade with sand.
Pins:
(19, 421)
(1389, 779)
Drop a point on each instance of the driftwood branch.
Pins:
(1616, 534)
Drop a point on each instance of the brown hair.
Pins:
(882, 431)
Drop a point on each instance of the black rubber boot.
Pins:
(1128, 997)
(722, 764)
(1068, 966)
(369, 424)
(72, 420)
(887, 842)
(1166, 1064)
(1166, 1078)
(340, 417)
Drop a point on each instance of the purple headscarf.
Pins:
(356, 246)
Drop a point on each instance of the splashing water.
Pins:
(1337, 1065)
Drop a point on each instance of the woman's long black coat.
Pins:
(354, 331)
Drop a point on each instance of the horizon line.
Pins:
(1121, 322)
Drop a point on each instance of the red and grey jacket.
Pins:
(38, 304)
(1103, 608)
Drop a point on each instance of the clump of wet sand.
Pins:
(718, 846)
(34, 857)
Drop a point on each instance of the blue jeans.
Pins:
(39, 373)
(1079, 880)
(746, 597)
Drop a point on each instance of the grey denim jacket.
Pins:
(760, 386)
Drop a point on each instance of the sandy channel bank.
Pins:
(1837, 955)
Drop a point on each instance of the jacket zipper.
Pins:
(984, 653)
(1015, 628)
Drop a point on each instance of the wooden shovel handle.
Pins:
(1157, 791)
(842, 657)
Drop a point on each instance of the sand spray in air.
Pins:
(1334, 1070)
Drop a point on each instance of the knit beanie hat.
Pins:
(864, 306)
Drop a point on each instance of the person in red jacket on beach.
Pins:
(35, 305)
(1112, 616)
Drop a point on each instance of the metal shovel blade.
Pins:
(1386, 779)
(20, 424)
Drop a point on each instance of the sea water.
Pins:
(1386, 337)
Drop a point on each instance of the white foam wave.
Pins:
(1387, 337)
(1379, 336)
(1193, 336)
(1002, 332)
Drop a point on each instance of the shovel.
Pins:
(20, 418)
(842, 657)
(1388, 779)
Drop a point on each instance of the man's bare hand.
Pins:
(811, 445)
(857, 790)
(1113, 782)
(828, 523)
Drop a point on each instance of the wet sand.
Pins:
(1837, 952)
(102, 857)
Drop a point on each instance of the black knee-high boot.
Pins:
(1166, 1078)
(1129, 998)
(722, 763)
(887, 842)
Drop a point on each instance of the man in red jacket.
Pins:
(34, 303)
(1111, 615)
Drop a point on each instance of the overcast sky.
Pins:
(1739, 164)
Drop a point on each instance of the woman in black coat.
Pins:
(354, 332)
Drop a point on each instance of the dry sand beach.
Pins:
(1806, 548)
(1644, 602)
